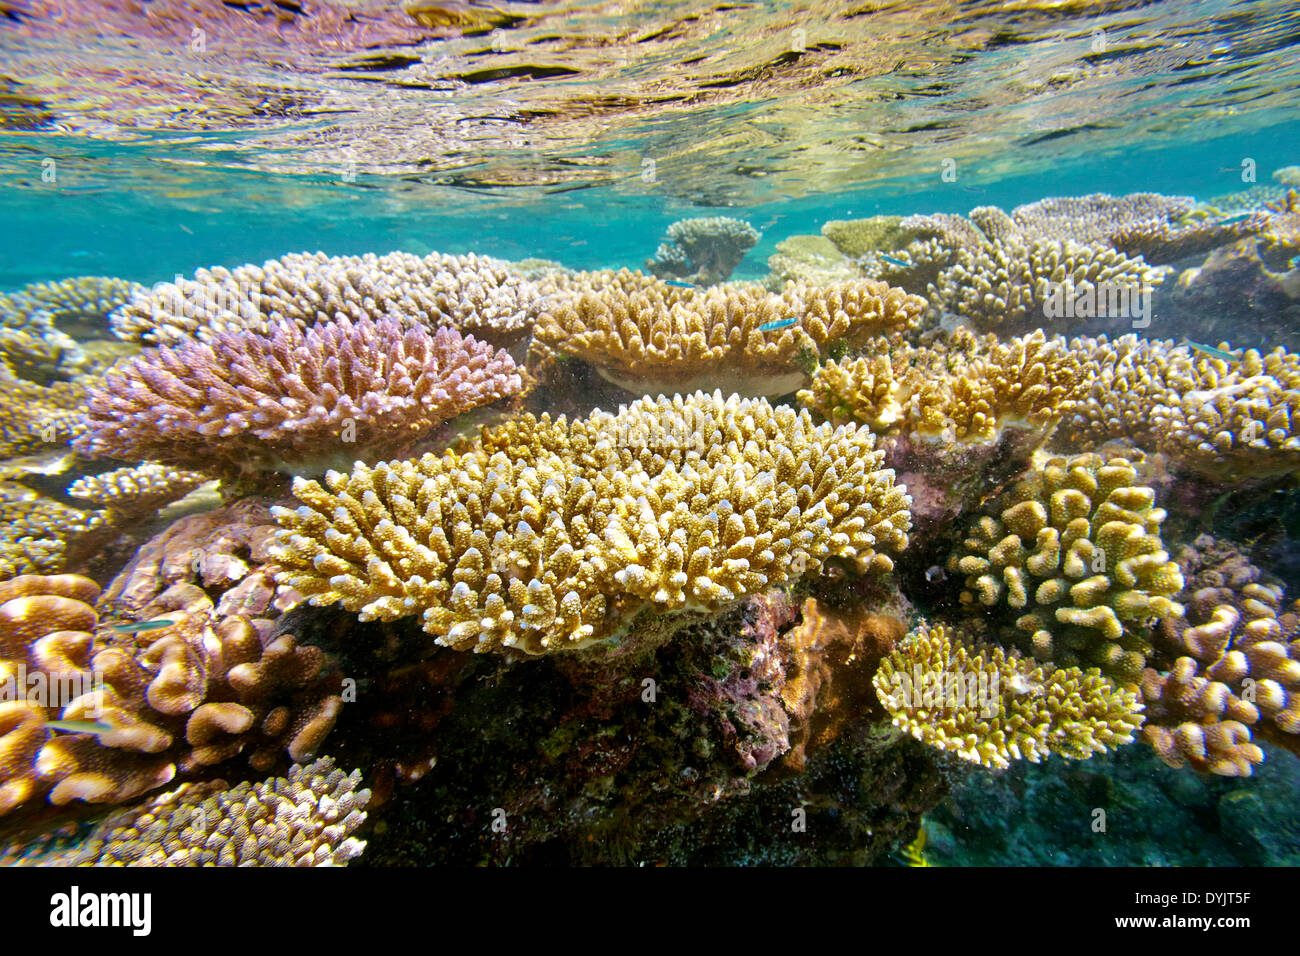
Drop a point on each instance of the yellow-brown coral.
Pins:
(551, 535)
(991, 706)
(1075, 548)
(654, 338)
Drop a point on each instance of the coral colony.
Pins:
(690, 550)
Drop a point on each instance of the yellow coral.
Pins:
(991, 706)
(1074, 549)
(552, 535)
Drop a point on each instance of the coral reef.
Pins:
(475, 294)
(173, 695)
(292, 400)
(1228, 668)
(858, 237)
(813, 260)
(650, 338)
(138, 490)
(1074, 548)
(704, 251)
(305, 818)
(80, 305)
(991, 706)
(41, 535)
(551, 535)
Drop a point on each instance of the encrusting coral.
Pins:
(651, 338)
(990, 706)
(293, 400)
(182, 692)
(475, 294)
(305, 818)
(705, 251)
(551, 535)
(1074, 548)
(1229, 668)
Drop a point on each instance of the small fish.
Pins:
(1240, 217)
(893, 260)
(778, 324)
(185, 229)
(1293, 261)
(79, 726)
(935, 574)
(142, 626)
(679, 283)
(1212, 351)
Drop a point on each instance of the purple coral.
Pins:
(290, 400)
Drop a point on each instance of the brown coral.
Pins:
(551, 535)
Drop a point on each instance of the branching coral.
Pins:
(1075, 546)
(472, 293)
(81, 304)
(139, 490)
(552, 535)
(1227, 419)
(705, 251)
(303, 819)
(39, 534)
(1233, 667)
(178, 696)
(293, 400)
(991, 706)
(35, 418)
(652, 338)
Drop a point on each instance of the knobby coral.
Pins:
(293, 400)
(990, 706)
(1075, 546)
(548, 535)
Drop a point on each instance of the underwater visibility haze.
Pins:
(460, 432)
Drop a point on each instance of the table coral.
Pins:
(705, 250)
(990, 706)
(653, 338)
(176, 697)
(1227, 420)
(139, 490)
(292, 400)
(81, 304)
(1227, 669)
(1075, 547)
(552, 535)
(809, 259)
(475, 294)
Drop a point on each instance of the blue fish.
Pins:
(1293, 261)
(79, 726)
(142, 626)
(1240, 217)
(778, 324)
(894, 261)
(1212, 351)
(679, 284)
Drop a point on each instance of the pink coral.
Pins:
(290, 400)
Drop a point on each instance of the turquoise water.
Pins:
(146, 142)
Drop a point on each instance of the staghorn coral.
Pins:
(476, 294)
(35, 418)
(176, 697)
(139, 490)
(1229, 420)
(1229, 668)
(225, 551)
(293, 400)
(548, 535)
(305, 818)
(1074, 549)
(652, 338)
(705, 250)
(991, 706)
